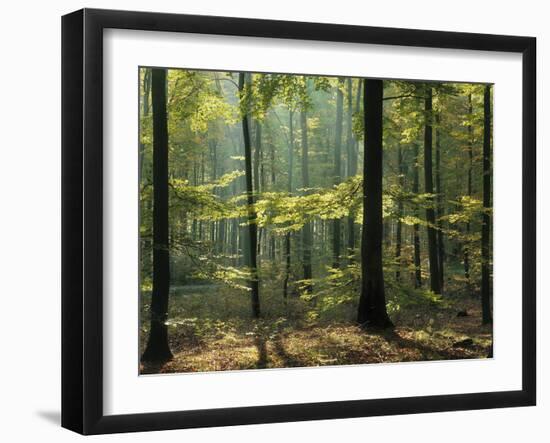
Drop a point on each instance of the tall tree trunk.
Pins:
(486, 222)
(158, 348)
(290, 166)
(222, 224)
(306, 230)
(252, 226)
(146, 246)
(440, 240)
(416, 227)
(435, 279)
(257, 177)
(212, 144)
(236, 250)
(262, 248)
(273, 179)
(372, 302)
(202, 182)
(399, 231)
(336, 232)
(257, 154)
(352, 164)
(146, 94)
(466, 246)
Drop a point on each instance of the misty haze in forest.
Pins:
(292, 220)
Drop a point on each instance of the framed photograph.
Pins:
(269, 221)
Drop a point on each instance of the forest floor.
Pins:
(201, 341)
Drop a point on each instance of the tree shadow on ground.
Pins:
(427, 352)
(261, 344)
(289, 360)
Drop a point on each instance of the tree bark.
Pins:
(466, 246)
(251, 211)
(486, 221)
(146, 247)
(372, 302)
(352, 165)
(336, 232)
(146, 93)
(257, 179)
(399, 230)
(435, 279)
(439, 189)
(236, 250)
(212, 144)
(158, 348)
(306, 230)
(287, 235)
(416, 227)
(272, 245)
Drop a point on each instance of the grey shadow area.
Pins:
(53, 417)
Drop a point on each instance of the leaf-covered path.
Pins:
(432, 334)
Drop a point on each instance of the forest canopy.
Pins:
(295, 220)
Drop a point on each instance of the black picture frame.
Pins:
(82, 218)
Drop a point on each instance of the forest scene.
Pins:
(303, 220)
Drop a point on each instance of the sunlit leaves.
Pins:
(290, 213)
(467, 209)
(199, 201)
(236, 278)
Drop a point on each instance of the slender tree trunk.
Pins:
(202, 182)
(440, 240)
(257, 179)
(273, 178)
(221, 236)
(195, 226)
(287, 235)
(372, 302)
(306, 230)
(158, 348)
(352, 165)
(336, 232)
(146, 93)
(222, 224)
(252, 227)
(235, 189)
(466, 246)
(416, 227)
(435, 279)
(399, 231)
(486, 222)
(243, 247)
(261, 188)
(213, 176)
(235, 251)
(257, 154)
(146, 248)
